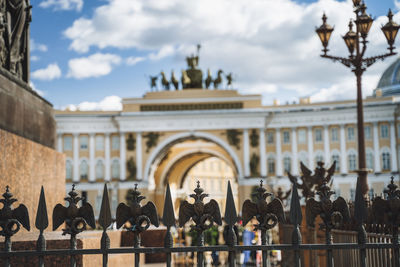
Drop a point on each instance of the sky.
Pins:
(88, 54)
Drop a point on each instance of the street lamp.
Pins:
(356, 42)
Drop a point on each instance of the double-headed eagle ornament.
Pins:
(386, 212)
(204, 215)
(267, 214)
(311, 182)
(137, 218)
(75, 217)
(332, 213)
(12, 219)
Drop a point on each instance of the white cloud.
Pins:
(62, 4)
(39, 92)
(109, 103)
(37, 47)
(133, 60)
(35, 58)
(262, 42)
(95, 65)
(51, 72)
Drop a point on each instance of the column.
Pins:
(279, 170)
(343, 154)
(326, 147)
(393, 151)
(377, 154)
(263, 156)
(310, 148)
(59, 143)
(75, 151)
(295, 163)
(122, 156)
(107, 166)
(92, 163)
(246, 153)
(139, 163)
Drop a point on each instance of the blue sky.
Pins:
(84, 51)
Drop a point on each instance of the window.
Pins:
(384, 131)
(270, 137)
(99, 170)
(350, 134)
(99, 142)
(83, 169)
(68, 167)
(83, 142)
(67, 143)
(286, 137)
(302, 136)
(287, 164)
(385, 161)
(115, 169)
(115, 142)
(337, 159)
(318, 135)
(334, 135)
(271, 165)
(369, 157)
(352, 162)
(367, 132)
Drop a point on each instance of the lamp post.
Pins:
(356, 42)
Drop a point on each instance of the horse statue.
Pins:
(164, 81)
(218, 80)
(174, 81)
(209, 79)
(153, 83)
(229, 79)
(185, 80)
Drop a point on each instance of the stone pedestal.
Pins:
(25, 113)
(25, 166)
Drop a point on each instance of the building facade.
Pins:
(160, 137)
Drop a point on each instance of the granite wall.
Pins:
(25, 166)
(24, 112)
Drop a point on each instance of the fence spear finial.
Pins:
(168, 212)
(230, 209)
(42, 221)
(105, 211)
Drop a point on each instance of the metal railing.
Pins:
(137, 218)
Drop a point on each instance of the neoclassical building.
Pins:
(162, 137)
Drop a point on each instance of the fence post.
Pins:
(41, 224)
(360, 215)
(231, 219)
(204, 216)
(267, 214)
(11, 221)
(295, 218)
(168, 221)
(137, 217)
(105, 222)
(76, 218)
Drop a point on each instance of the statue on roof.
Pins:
(229, 78)
(208, 80)
(153, 83)
(174, 81)
(195, 75)
(218, 80)
(164, 81)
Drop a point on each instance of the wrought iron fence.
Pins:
(137, 218)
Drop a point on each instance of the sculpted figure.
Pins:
(18, 18)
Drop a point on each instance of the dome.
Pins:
(389, 84)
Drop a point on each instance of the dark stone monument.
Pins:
(22, 111)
